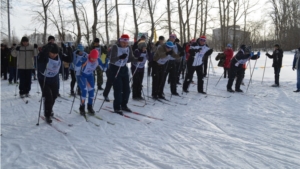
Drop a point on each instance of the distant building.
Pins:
(240, 36)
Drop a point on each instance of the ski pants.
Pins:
(25, 81)
(86, 84)
(120, 85)
(158, 79)
(239, 73)
(137, 81)
(49, 93)
(189, 76)
(277, 74)
(171, 70)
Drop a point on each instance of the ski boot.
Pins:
(81, 110)
(90, 109)
(125, 108)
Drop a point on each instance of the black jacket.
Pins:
(5, 56)
(65, 55)
(277, 57)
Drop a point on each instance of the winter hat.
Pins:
(124, 38)
(93, 54)
(141, 45)
(50, 38)
(161, 38)
(192, 41)
(54, 48)
(203, 37)
(229, 45)
(277, 45)
(80, 48)
(169, 44)
(96, 40)
(143, 37)
(177, 40)
(245, 49)
(24, 39)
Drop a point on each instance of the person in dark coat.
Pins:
(277, 62)
(12, 63)
(5, 53)
(49, 63)
(236, 67)
(296, 66)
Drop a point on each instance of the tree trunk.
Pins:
(169, 17)
(118, 19)
(205, 17)
(201, 18)
(106, 23)
(135, 20)
(152, 20)
(180, 21)
(196, 20)
(94, 27)
(78, 39)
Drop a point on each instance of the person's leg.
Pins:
(126, 87)
(155, 74)
(22, 75)
(73, 81)
(109, 83)
(135, 82)
(231, 76)
(11, 74)
(298, 79)
(28, 81)
(99, 78)
(174, 79)
(117, 86)
(82, 85)
(239, 79)
(200, 82)
(188, 77)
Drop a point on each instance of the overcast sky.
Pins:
(21, 17)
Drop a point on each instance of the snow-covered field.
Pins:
(257, 130)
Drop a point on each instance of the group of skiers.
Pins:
(167, 60)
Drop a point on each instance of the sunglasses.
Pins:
(202, 40)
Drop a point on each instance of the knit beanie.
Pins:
(124, 38)
(24, 39)
(96, 40)
(54, 48)
(161, 38)
(50, 38)
(80, 48)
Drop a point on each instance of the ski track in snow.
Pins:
(256, 130)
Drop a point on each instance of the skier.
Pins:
(277, 62)
(109, 80)
(237, 69)
(171, 66)
(5, 53)
(85, 68)
(25, 56)
(199, 52)
(48, 76)
(120, 54)
(77, 55)
(137, 70)
(296, 66)
(163, 54)
(12, 67)
(229, 55)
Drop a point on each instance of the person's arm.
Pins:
(160, 53)
(113, 55)
(81, 62)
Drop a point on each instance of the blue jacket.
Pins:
(76, 59)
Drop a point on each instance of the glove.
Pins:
(77, 52)
(18, 48)
(140, 59)
(123, 56)
(35, 46)
(293, 68)
(267, 54)
(198, 50)
(251, 54)
(258, 54)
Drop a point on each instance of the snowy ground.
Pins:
(256, 130)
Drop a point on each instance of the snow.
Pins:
(259, 129)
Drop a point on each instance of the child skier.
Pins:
(85, 68)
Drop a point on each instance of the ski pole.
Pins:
(147, 80)
(251, 76)
(74, 98)
(219, 79)
(17, 74)
(42, 95)
(112, 83)
(134, 71)
(207, 76)
(264, 70)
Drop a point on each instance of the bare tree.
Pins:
(78, 38)
(95, 22)
(118, 18)
(45, 8)
(59, 23)
(106, 22)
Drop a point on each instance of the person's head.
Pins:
(14, 45)
(169, 46)
(172, 37)
(96, 42)
(202, 40)
(93, 56)
(124, 40)
(51, 39)
(53, 51)
(80, 48)
(246, 50)
(161, 39)
(24, 41)
(143, 38)
(228, 46)
(192, 41)
(276, 46)
(177, 40)
(142, 46)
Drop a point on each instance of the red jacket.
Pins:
(229, 56)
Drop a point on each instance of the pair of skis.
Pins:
(55, 127)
